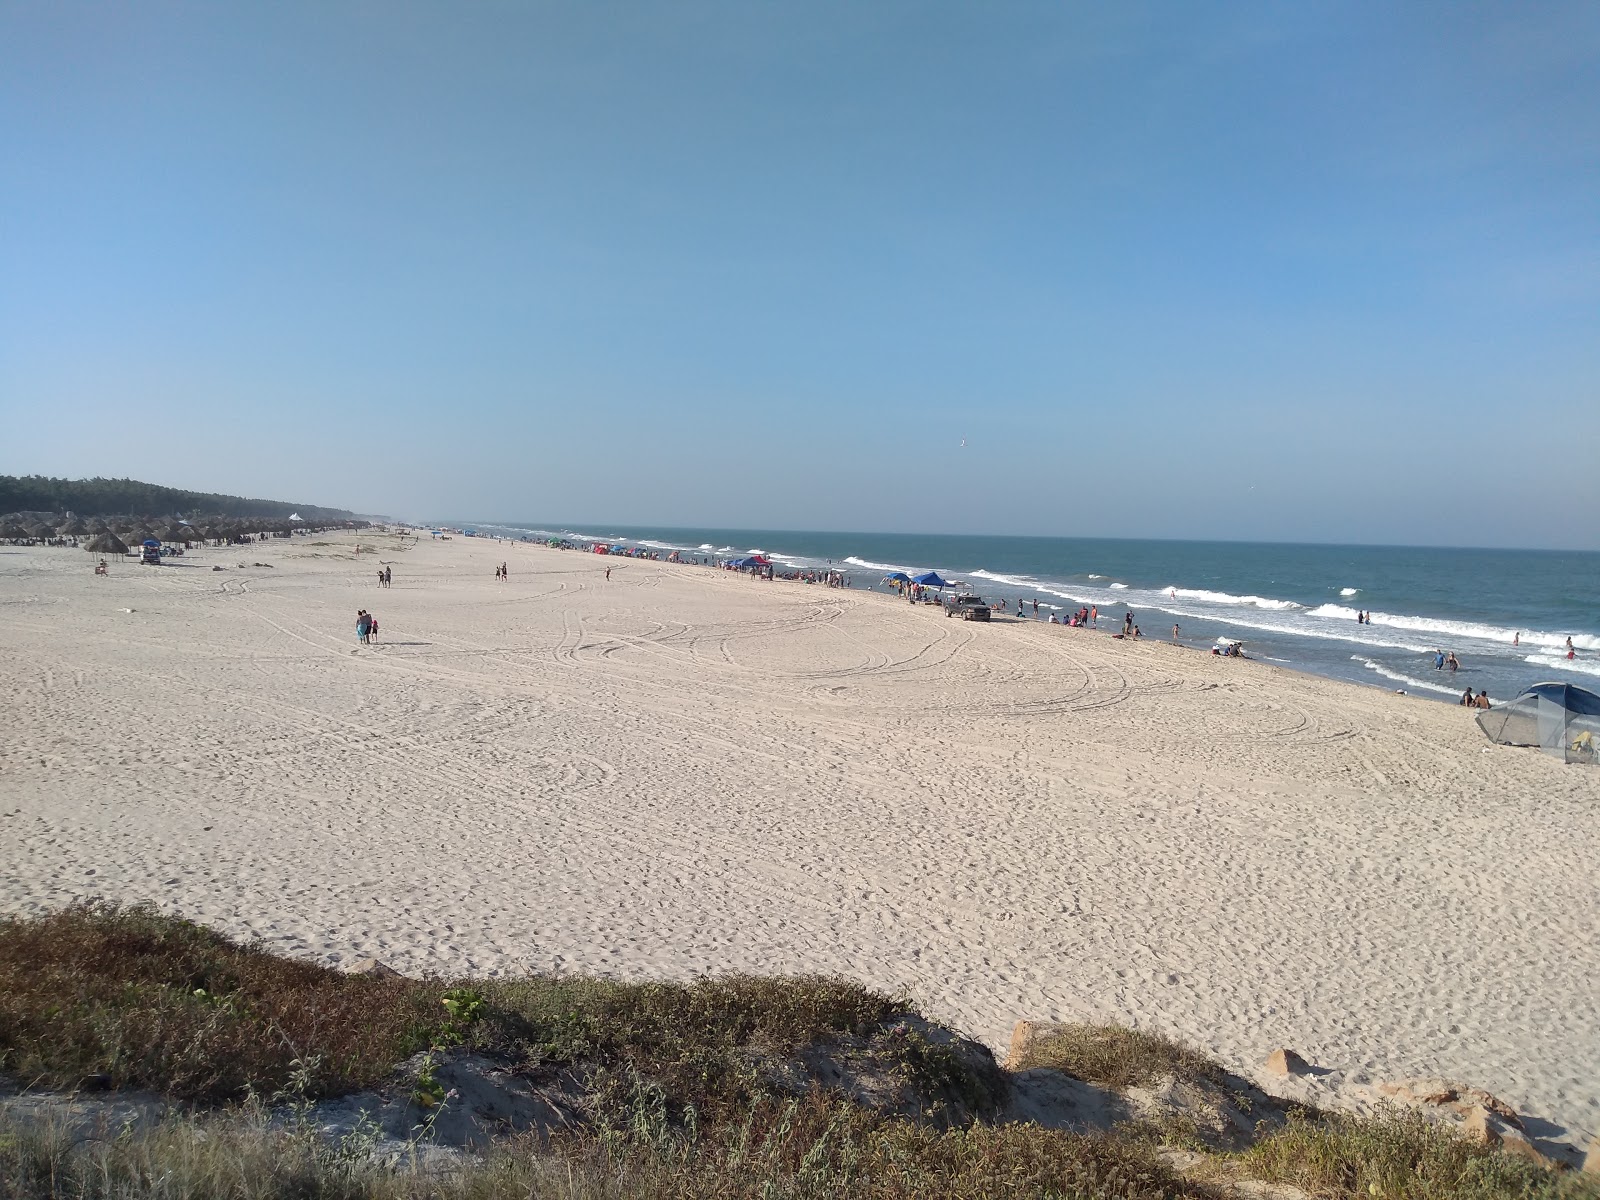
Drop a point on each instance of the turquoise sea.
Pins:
(1505, 614)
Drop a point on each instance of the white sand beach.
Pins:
(680, 770)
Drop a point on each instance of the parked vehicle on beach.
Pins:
(968, 608)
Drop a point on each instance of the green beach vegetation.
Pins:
(721, 1087)
(104, 497)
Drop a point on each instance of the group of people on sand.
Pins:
(1086, 617)
(1468, 700)
(501, 573)
(385, 576)
(366, 627)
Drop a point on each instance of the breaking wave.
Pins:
(1559, 662)
(1227, 598)
(1009, 580)
(1462, 629)
(1348, 591)
(869, 565)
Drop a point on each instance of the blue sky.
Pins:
(1292, 271)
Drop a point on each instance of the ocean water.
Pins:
(1506, 614)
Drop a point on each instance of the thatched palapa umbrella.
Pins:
(43, 531)
(74, 528)
(12, 532)
(107, 543)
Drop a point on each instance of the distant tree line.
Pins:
(103, 497)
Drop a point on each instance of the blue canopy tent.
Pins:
(929, 579)
(897, 577)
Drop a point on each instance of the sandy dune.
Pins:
(680, 770)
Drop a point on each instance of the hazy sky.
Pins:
(1299, 271)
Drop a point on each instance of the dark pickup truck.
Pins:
(968, 608)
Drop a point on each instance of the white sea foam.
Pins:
(1348, 591)
(1228, 598)
(1120, 586)
(1008, 580)
(877, 566)
(707, 546)
(1097, 577)
(1560, 662)
(1461, 629)
(1400, 677)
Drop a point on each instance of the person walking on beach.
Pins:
(608, 572)
(380, 576)
(1094, 617)
(1036, 606)
(388, 577)
(1174, 631)
(363, 625)
(372, 629)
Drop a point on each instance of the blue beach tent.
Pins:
(929, 579)
(1556, 717)
(897, 577)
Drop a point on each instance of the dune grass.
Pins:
(1117, 1058)
(683, 1088)
(126, 997)
(818, 1147)
(1403, 1157)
